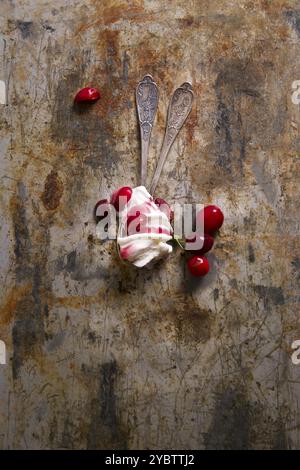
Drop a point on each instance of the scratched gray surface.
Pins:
(105, 356)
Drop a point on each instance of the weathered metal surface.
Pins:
(100, 355)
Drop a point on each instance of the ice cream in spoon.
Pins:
(144, 229)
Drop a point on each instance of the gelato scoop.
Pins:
(144, 230)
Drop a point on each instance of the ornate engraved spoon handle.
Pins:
(146, 102)
(179, 109)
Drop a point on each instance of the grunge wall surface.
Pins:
(101, 355)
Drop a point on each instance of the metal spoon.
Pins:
(179, 109)
(146, 101)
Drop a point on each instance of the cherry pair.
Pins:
(198, 264)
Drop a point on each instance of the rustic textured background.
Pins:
(106, 356)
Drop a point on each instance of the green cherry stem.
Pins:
(180, 242)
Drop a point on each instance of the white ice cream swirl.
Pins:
(144, 230)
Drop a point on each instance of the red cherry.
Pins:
(132, 217)
(207, 241)
(165, 207)
(99, 203)
(124, 192)
(213, 219)
(87, 94)
(198, 266)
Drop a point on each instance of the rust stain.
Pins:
(53, 191)
(109, 48)
(191, 323)
(188, 22)
(191, 125)
(16, 294)
(122, 12)
(75, 302)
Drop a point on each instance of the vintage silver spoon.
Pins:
(146, 101)
(179, 109)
